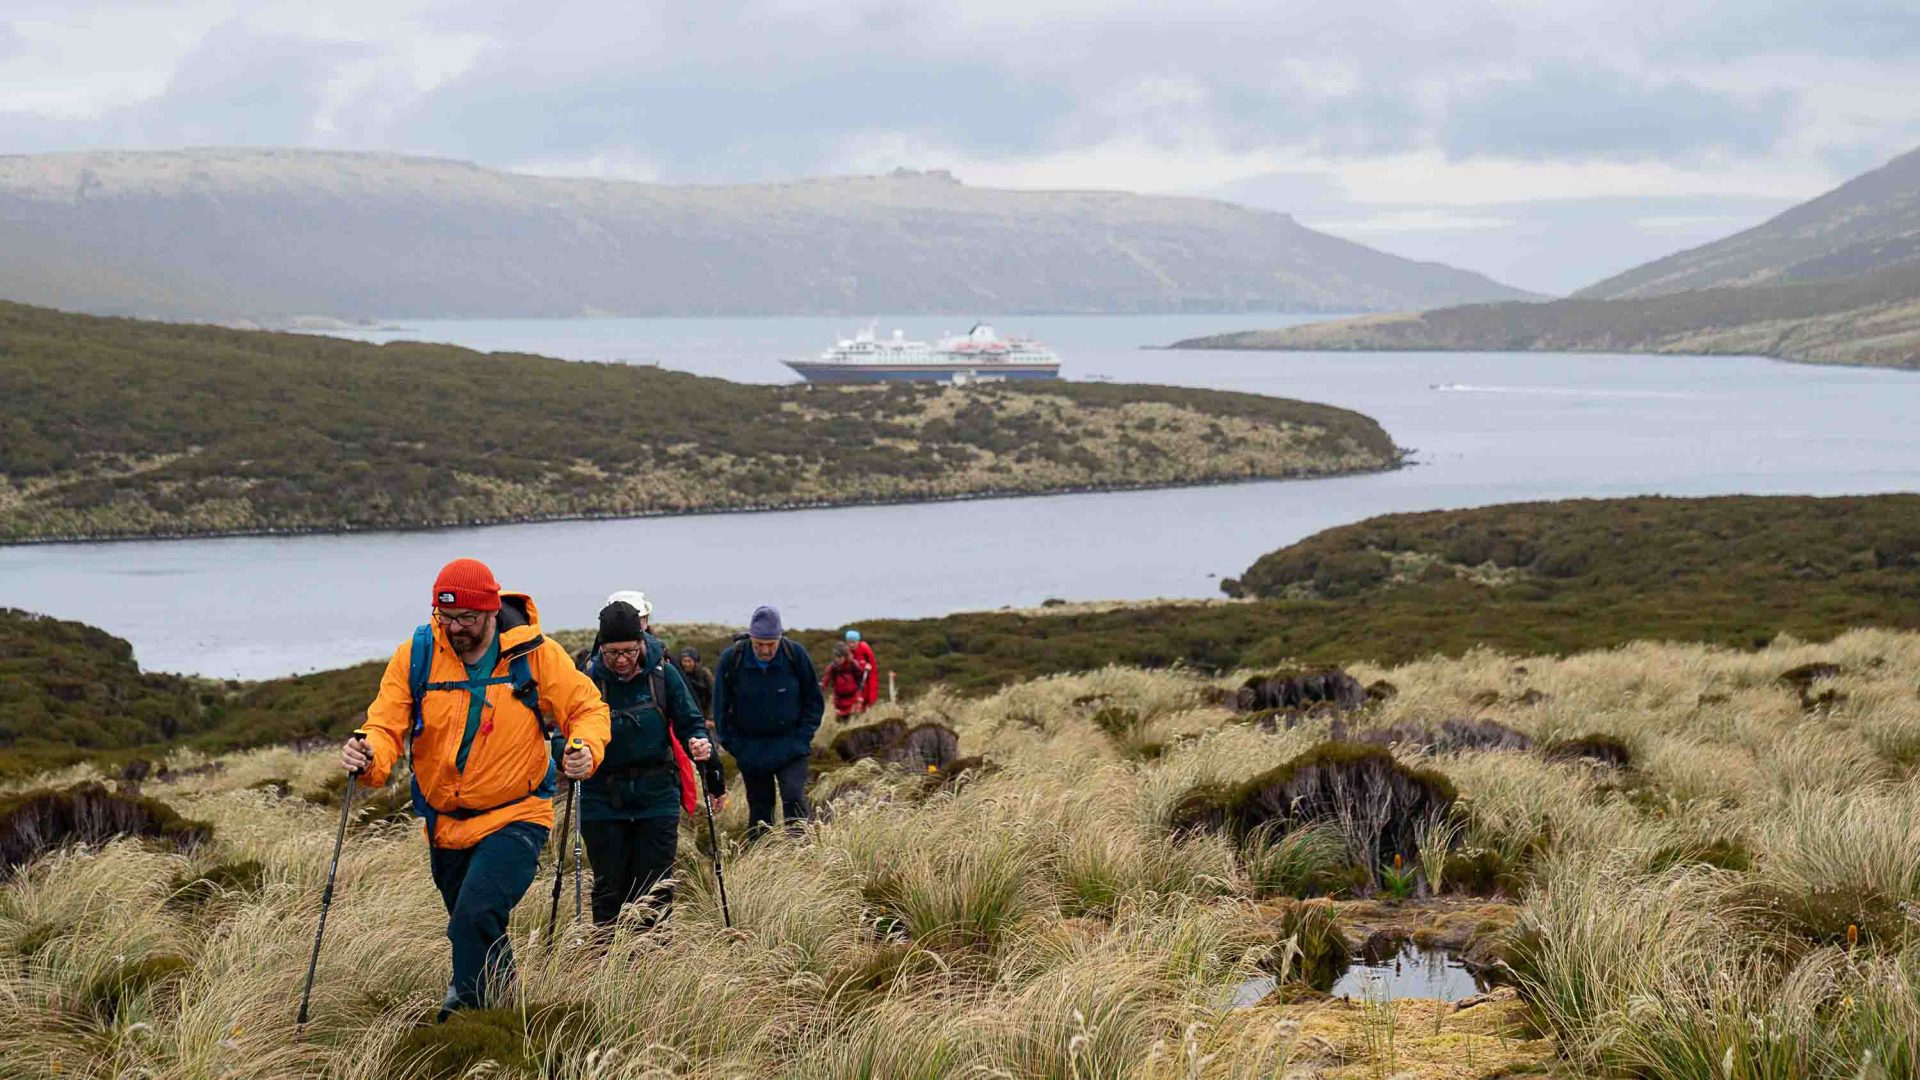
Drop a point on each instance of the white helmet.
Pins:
(635, 597)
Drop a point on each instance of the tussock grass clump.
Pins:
(190, 890)
(35, 822)
(538, 1038)
(1330, 688)
(1379, 805)
(1598, 749)
(869, 740)
(924, 746)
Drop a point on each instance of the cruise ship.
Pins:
(979, 356)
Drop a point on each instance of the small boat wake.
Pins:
(1556, 391)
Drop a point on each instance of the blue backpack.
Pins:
(525, 689)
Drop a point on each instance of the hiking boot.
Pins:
(448, 1005)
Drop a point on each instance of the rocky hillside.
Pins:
(1867, 224)
(275, 234)
(117, 427)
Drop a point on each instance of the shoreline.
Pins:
(1199, 345)
(1403, 458)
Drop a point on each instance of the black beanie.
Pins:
(690, 653)
(620, 621)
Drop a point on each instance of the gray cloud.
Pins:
(740, 90)
(1592, 114)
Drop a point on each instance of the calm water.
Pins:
(1486, 428)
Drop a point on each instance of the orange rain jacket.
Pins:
(510, 755)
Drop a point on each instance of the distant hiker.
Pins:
(699, 679)
(766, 700)
(846, 679)
(863, 652)
(477, 701)
(630, 810)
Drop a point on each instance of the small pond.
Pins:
(1413, 971)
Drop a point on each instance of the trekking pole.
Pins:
(575, 831)
(326, 897)
(713, 838)
(560, 858)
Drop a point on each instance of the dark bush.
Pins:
(1458, 734)
(927, 747)
(1303, 690)
(869, 740)
(35, 822)
(1386, 802)
(1595, 748)
(1803, 677)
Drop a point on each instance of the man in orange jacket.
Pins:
(494, 691)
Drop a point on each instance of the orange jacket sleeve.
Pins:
(389, 717)
(572, 701)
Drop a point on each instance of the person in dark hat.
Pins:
(699, 679)
(767, 703)
(630, 809)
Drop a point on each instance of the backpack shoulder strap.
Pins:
(525, 688)
(657, 679)
(419, 665)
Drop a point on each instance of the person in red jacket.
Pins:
(846, 681)
(863, 652)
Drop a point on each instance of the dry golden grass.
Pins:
(1039, 921)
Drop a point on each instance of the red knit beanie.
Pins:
(466, 583)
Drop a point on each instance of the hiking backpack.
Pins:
(682, 762)
(525, 690)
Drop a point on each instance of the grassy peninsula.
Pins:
(1872, 320)
(123, 428)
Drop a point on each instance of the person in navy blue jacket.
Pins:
(767, 705)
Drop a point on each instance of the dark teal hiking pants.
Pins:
(480, 886)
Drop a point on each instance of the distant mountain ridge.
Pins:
(1835, 280)
(274, 234)
(1870, 223)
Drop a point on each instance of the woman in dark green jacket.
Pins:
(630, 808)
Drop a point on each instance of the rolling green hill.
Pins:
(1527, 578)
(116, 427)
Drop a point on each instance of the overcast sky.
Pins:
(1547, 143)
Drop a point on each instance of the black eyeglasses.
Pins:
(466, 620)
(632, 653)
